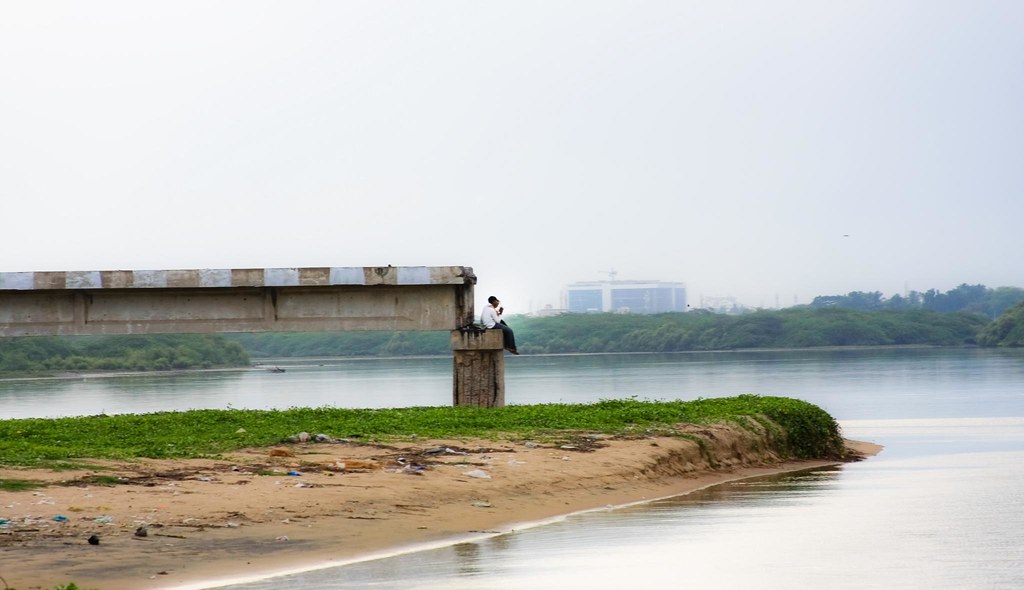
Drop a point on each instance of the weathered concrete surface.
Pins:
(478, 368)
(236, 300)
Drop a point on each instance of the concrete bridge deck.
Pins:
(236, 300)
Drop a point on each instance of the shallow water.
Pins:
(940, 507)
(849, 384)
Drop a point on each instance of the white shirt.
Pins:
(489, 318)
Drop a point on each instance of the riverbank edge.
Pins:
(702, 483)
(375, 512)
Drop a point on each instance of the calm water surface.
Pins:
(851, 384)
(941, 507)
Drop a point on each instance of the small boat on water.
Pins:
(276, 370)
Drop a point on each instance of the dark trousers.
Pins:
(507, 335)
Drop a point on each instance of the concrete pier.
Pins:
(478, 368)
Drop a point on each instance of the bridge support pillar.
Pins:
(478, 374)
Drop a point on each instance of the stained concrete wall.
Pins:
(478, 368)
(236, 300)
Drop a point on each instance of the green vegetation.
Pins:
(1007, 330)
(19, 485)
(797, 327)
(965, 298)
(283, 344)
(787, 328)
(807, 431)
(71, 586)
(119, 353)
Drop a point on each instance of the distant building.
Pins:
(625, 297)
(548, 311)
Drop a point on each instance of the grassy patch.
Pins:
(76, 466)
(20, 485)
(804, 429)
(103, 480)
(71, 586)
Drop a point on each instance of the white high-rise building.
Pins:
(625, 297)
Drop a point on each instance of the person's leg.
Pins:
(508, 336)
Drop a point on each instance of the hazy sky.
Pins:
(727, 145)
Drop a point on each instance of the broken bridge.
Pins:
(264, 300)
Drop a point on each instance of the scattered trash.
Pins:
(478, 473)
(60, 518)
(94, 540)
(233, 525)
(103, 519)
(3, 521)
(240, 431)
(352, 465)
(294, 473)
(300, 437)
(482, 504)
(568, 447)
(281, 538)
(321, 438)
(142, 532)
(531, 445)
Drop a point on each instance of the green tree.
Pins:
(1006, 330)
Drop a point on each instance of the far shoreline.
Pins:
(263, 363)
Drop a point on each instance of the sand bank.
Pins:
(196, 523)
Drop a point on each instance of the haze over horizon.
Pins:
(763, 151)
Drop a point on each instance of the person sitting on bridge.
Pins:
(491, 318)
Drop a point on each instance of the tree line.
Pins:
(670, 332)
(964, 298)
(786, 328)
(54, 354)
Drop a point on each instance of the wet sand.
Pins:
(197, 523)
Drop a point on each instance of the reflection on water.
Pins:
(914, 383)
(924, 519)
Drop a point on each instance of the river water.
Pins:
(941, 507)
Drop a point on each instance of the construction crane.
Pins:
(611, 274)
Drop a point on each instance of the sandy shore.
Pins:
(196, 523)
